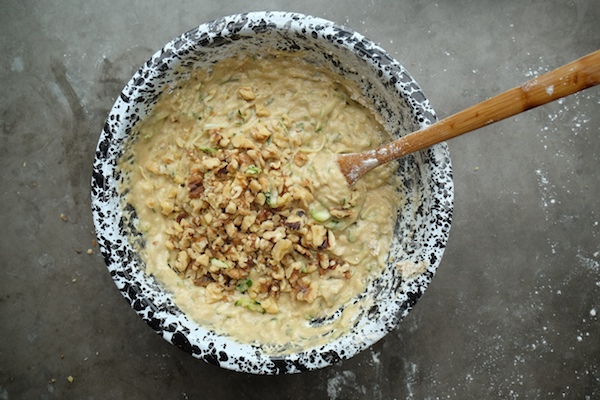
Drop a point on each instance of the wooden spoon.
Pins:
(568, 79)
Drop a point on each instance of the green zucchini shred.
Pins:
(250, 304)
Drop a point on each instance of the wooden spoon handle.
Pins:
(568, 79)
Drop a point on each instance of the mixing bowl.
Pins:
(423, 223)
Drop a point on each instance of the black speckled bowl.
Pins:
(420, 233)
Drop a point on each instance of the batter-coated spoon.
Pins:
(563, 81)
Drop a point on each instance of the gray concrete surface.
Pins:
(513, 310)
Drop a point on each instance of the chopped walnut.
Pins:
(241, 215)
(261, 133)
(300, 159)
(247, 93)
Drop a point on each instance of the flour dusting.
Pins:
(589, 263)
(547, 190)
(375, 358)
(17, 65)
(337, 383)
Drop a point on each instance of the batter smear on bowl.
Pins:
(243, 213)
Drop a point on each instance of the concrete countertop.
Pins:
(513, 309)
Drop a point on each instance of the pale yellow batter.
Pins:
(246, 217)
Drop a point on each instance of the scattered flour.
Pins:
(337, 383)
(533, 73)
(17, 64)
(411, 371)
(553, 246)
(589, 263)
(547, 190)
(375, 358)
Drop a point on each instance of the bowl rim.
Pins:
(118, 255)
